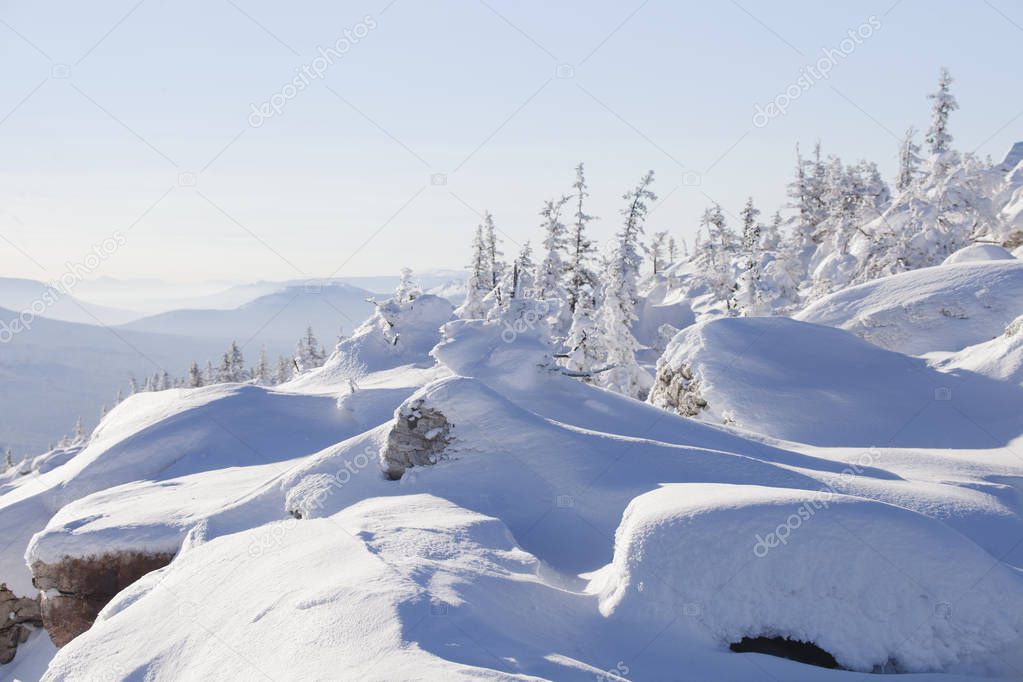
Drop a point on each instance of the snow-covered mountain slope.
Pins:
(514, 480)
(824, 386)
(941, 308)
(55, 372)
(273, 320)
(43, 300)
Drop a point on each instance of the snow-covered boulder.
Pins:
(877, 586)
(978, 252)
(811, 384)
(942, 308)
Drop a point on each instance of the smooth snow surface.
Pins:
(978, 252)
(811, 384)
(871, 583)
(943, 308)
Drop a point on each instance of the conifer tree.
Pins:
(407, 290)
(618, 311)
(194, 375)
(909, 161)
(581, 249)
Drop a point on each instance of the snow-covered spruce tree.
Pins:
(522, 281)
(586, 350)
(408, 290)
(79, 435)
(549, 282)
(284, 367)
(550, 273)
(717, 252)
(495, 266)
(195, 379)
(618, 311)
(747, 300)
(909, 162)
(673, 249)
(308, 353)
(939, 141)
(224, 370)
(261, 372)
(658, 249)
(581, 249)
(8, 461)
(238, 372)
(477, 285)
(209, 374)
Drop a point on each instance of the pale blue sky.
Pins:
(107, 106)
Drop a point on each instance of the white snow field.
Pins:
(942, 308)
(831, 492)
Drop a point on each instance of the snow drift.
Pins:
(942, 308)
(879, 587)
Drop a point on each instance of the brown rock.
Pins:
(18, 617)
(75, 589)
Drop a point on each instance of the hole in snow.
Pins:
(803, 652)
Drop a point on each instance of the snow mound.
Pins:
(164, 435)
(877, 586)
(350, 591)
(811, 384)
(1000, 358)
(394, 336)
(943, 308)
(978, 253)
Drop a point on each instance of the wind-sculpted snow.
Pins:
(474, 563)
(942, 308)
(877, 586)
(162, 435)
(811, 384)
(396, 335)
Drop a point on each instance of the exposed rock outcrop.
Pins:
(677, 389)
(75, 589)
(419, 437)
(18, 617)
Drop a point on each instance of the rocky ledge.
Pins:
(75, 589)
(18, 617)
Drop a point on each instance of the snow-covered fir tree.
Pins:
(586, 350)
(309, 354)
(581, 249)
(909, 161)
(477, 285)
(261, 372)
(195, 378)
(618, 311)
(659, 249)
(284, 368)
(408, 290)
(939, 140)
